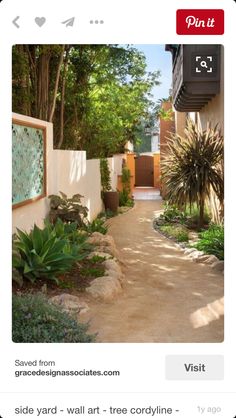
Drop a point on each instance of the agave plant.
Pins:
(192, 167)
(43, 254)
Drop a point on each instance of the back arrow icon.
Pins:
(15, 20)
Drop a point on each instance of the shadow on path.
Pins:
(167, 297)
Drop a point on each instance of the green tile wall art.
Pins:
(28, 163)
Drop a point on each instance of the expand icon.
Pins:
(204, 64)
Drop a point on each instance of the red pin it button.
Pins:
(200, 22)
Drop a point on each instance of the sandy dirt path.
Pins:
(167, 297)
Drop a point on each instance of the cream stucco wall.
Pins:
(115, 166)
(67, 171)
(214, 111)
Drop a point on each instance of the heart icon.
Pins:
(40, 21)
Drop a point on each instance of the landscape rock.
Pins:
(70, 303)
(109, 250)
(104, 288)
(196, 254)
(98, 253)
(211, 259)
(218, 265)
(202, 258)
(113, 269)
(189, 251)
(102, 240)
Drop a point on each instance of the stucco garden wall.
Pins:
(115, 166)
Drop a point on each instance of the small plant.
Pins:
(97, 259)
(92, 271)
(177, 232)
(125, 200)
(35, 320)
(173, 214)
(212, 241)
(70, 232)
(97, 225)
(192, 217)
(105, 175)
(106, 215)
(67, 209)
(124, 195)
(41, 254)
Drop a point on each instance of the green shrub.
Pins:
(177, 232)
(97, 225)
(124, 195)
(173, 214)
(124, 199)
(105, 175)
(68, 231)
(92, 271)
(35, 320)
(212, 241)
(97, 259)
(41, 254)
(193, 215)
(67, 209)
(125, 179)
(106, 215)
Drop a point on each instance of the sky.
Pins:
(159, 59)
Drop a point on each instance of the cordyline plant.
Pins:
(192, 167)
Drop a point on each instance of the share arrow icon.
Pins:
(69, 22)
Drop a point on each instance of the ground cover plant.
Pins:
(35, 320)
(212, 241)
(97, 225)
(178, 232)
(179, 225)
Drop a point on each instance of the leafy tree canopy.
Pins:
(96, 95)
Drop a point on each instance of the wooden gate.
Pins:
(144, 171)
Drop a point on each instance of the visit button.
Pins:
(194, 367)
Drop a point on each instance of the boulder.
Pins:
(101, 240)
(211, 259)
(70, 303)
(113, 269)
(189, 251)
(202, 258)
(104, 288)
(108, 249)
(218, 265)
(196, 254)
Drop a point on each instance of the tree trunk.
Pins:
(201, 212)
(61, 137)
(43, 86)
(52, 111)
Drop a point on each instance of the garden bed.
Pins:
(205, 244)
(77, 280)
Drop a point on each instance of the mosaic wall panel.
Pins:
(27, 163)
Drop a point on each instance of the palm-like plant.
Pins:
(192, 167)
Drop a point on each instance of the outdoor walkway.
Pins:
(167, 298)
